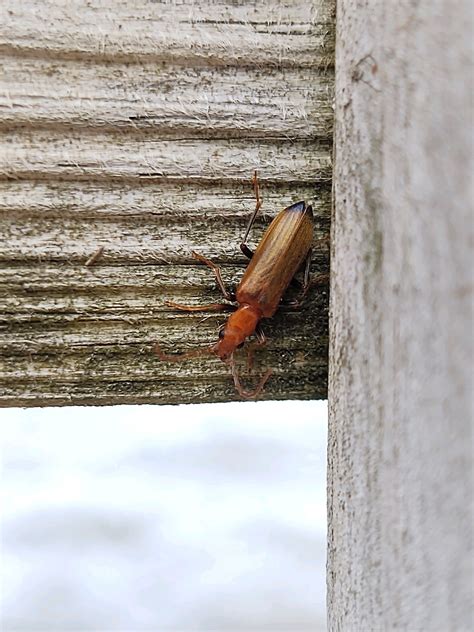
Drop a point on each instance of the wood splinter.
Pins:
(95, 256)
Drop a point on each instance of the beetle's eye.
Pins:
(221, 333)
(241, 345)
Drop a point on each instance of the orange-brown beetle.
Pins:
(285, 246)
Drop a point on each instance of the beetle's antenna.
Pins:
(177, 357)
(238, 385)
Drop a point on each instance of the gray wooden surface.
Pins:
(136, 126)
(400, 392)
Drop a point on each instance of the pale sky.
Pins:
(185, 518)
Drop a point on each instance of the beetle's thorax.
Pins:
(240, 325)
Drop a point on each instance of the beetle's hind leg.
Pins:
(308, 280)
(308, 283)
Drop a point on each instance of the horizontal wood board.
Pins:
(136, 127)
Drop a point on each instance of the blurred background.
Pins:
(209, 517)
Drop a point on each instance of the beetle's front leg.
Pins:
(260, 342)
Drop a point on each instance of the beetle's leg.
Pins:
(308, 282)
(258, 204)
(246, 250)
(210, 307)
(260, 342)
(307, 269)
(217, 271)
(240, 389)
(319, 279)
(298, 285)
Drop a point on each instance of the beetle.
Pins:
(285, 246)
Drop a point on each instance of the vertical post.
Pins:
(400, 386)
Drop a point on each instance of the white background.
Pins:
(190, 518)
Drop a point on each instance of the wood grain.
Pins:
(400, 459)
(135, 127)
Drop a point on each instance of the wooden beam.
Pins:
(135, 127)
(400, 393)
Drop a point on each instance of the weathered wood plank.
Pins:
(268, 33)
(98, 327)
(400, 394)
(165, 101)
(45, 155)
(72, 230)
(136, 127)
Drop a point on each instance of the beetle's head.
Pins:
(240, 325)
(230, 339)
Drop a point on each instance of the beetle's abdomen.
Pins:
(281, 252)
